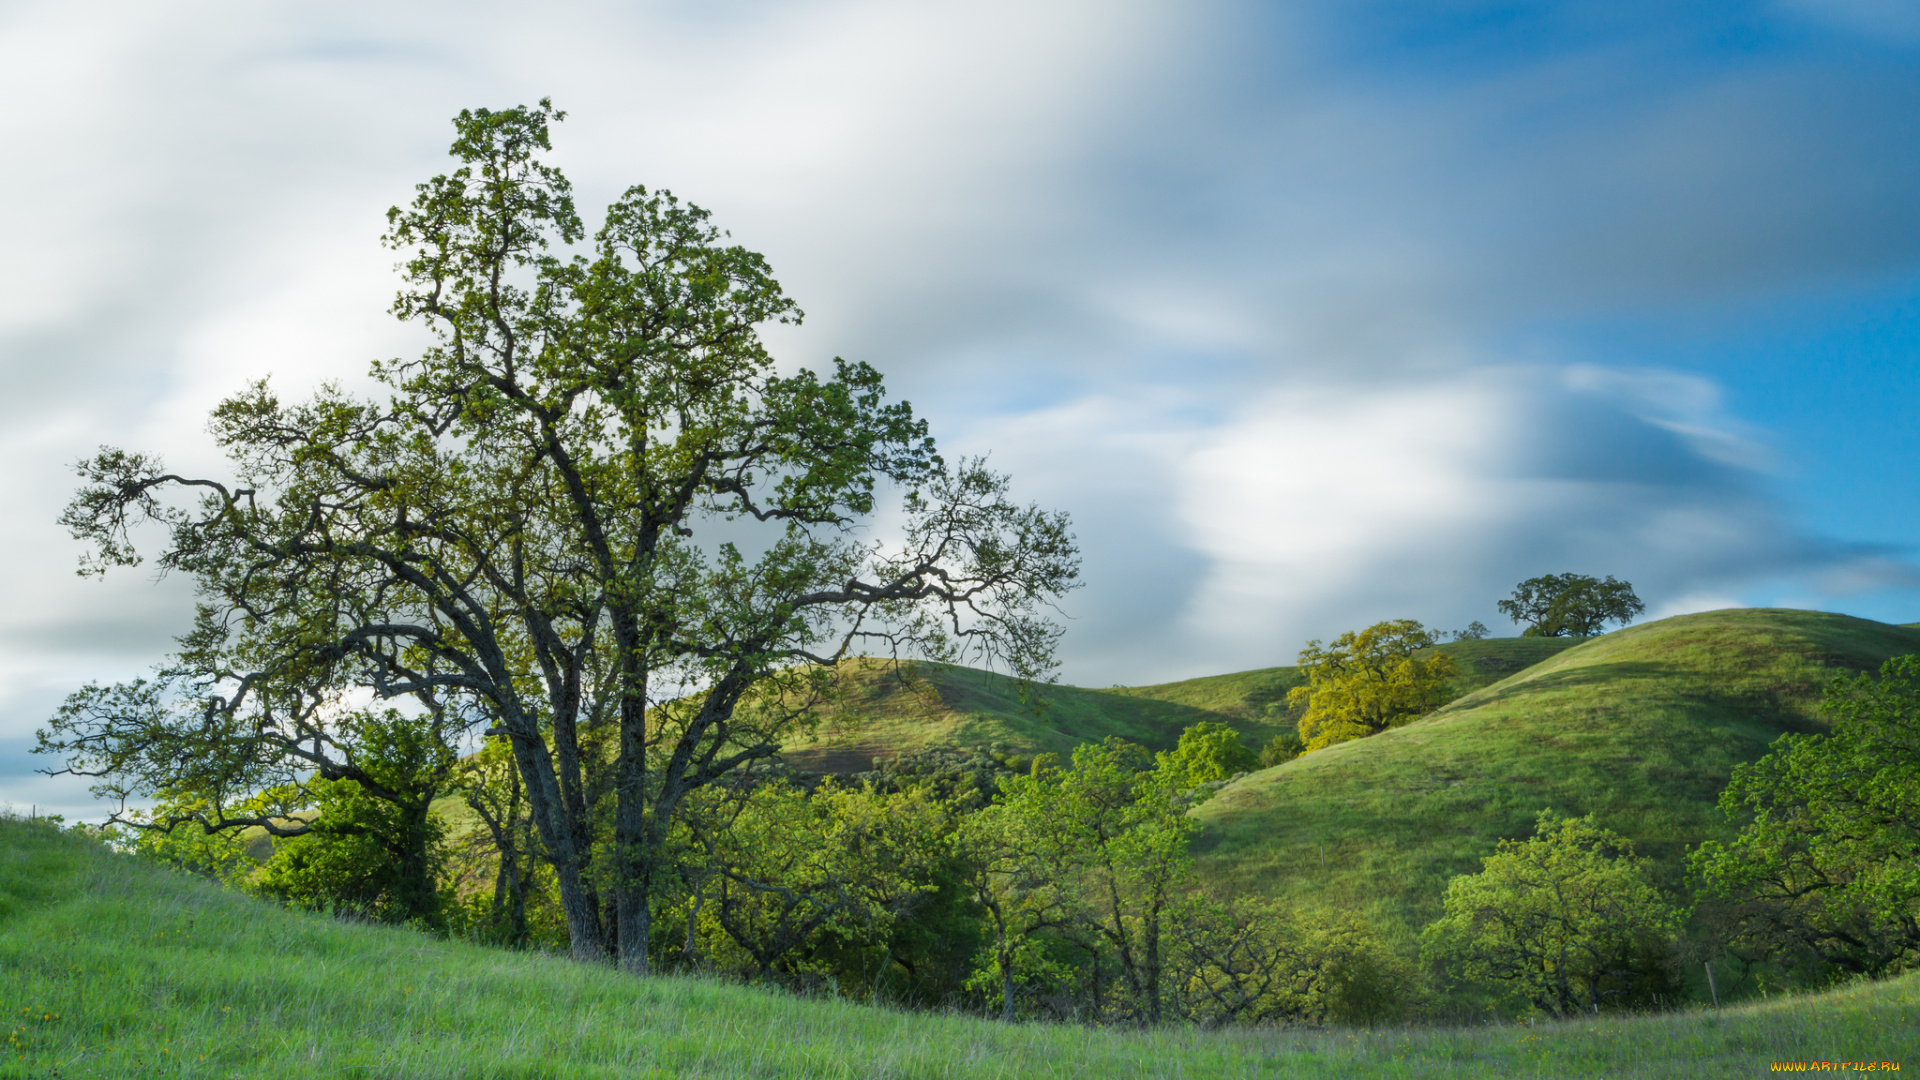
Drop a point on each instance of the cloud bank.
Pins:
(1285, 305)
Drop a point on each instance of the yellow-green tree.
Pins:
(1368, 681)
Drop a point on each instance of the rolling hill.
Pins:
(1640, 727)
(884, 711)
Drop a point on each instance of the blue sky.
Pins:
(1311, 314)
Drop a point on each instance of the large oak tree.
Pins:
(592, 518)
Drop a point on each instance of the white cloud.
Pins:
(1892, 20)
(1264, 323)
(1223, 542)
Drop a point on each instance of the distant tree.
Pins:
(1829, 862)
(1563, 920)
(1475, 631)
(1281, 749)
(1013, 858)
(1368, 681)
(1207, 751)
(507, 845)
(372, 858)
(1563, 605)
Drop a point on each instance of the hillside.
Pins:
(885, 711)
(115, 967)
(1641, 727)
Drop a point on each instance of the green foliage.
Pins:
(270, 758)
(800, 886)
(1827, 866)
(1118, 834)
(1368, 681)
(130, 970)
(1014, 864)
(360, 856)
(1283, 748)
(1557, 605)
(378, 856)
(1564, 921)
(966, 779)
(1096, 853)
(517, 907)
(220, 854)
(933, 946)
(593, 517)
(1250, 962)
(1206, 752)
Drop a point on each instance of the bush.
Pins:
(1283, 748)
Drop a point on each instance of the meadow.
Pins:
(116, 967)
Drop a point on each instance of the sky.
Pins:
(1310, 314)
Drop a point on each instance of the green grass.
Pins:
(115, 967)
(1256, 694)
(1641, 727)
(883, 712)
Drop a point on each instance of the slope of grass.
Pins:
(1263, 693)
(114, 967)
(1641, 727)
(885, 711)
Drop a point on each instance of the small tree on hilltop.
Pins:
(1368, 681)
(1563, 605)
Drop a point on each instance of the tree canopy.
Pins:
(1563, 920)
(1563, 605)
(591, 519)
(1827, 862)
(1368, 681)
(1207, 751)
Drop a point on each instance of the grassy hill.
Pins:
(885, 711)
(111, 966)
(1641, 727)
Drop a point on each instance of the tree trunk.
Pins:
(635, 846)
(1006, 962)
(1006, 982)
(423, 899)
(636, 922)
(558, 833)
